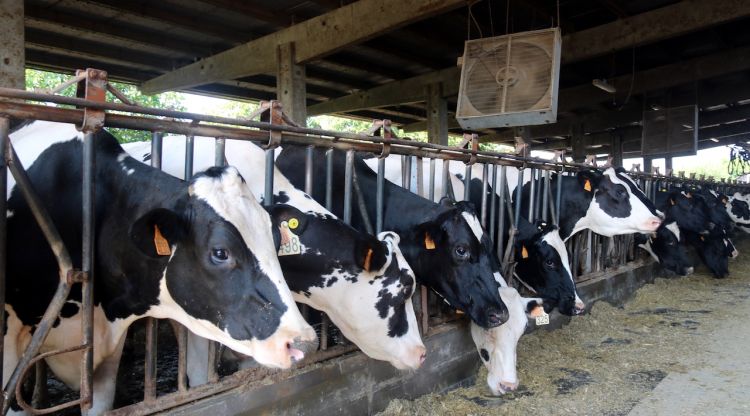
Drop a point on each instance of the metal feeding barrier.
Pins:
(90, 112)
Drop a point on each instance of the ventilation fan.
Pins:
(510, 80)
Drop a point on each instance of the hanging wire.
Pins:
(468, 24)
(492, 20)
(632, 81)
(507, 15)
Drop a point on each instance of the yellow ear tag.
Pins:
(524, 252)
(428, 243)
(160, 243)
(368, 259)
(587, 185)
(293, 223)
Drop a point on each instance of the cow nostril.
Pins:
(496, 318)
(508, 386)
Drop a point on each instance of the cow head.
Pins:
(455, 259)
(666, 247)
(617, 205)
(497, 346)
(542, 262)
(715, 249)
(714, 208)
(683, 209)
(221, 277)
(362, 282)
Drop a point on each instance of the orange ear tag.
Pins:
(428, 243)
(587, 185)
(368, 259)
(524, 252)
(537, 311)
(160, 243)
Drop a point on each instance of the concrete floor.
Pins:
(718, 379)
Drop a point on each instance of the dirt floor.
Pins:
(605, 362)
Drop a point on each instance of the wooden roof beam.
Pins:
(669, 21)
(314, 38)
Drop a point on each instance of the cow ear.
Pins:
(588, 180)
(428, 235)
(447, 202)
(157, 231)
(534, 307)
(370, 254)
(295, 219)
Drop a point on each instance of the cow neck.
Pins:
(574, 205)
(413, 247)
(127, 282)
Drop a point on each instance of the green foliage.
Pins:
(42, 80)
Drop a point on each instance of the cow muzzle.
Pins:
(652, 224)
(504, 387)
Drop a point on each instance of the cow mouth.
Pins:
(295, 354)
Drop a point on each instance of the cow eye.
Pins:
(461, 252)
(219, 255)
(670, 243)
(622, 193)
(550, 263)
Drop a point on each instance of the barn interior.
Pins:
(398, 60)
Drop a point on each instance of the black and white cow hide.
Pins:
(218, 274)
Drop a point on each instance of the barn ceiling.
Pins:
(703, 60)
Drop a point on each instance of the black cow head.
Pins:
(222, 277)
(667, 247)
(714, 209)
(456, 260)
(362, 282)
(542, 262)
(688, 212)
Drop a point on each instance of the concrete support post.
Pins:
(437, 115)
(616, 150)
(647, 164)
(290, 84)
(12, 56)
(668, 164)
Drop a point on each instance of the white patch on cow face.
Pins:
(474, 224)
(9, 213)
(350, 303)
(672, 226)
(647, 246)
(640, 220)
(497, 346)
(499, 279)
(553, 239)
(231, 199)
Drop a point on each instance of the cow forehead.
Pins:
(552, 238)
(631, 186)
(474, 225)
(228, 195)
(672, 226)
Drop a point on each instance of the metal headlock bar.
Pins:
(272, 129)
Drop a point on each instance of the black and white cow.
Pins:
(362, 282)
(667, 246)
(540, 253)
(739, 211)
(608, 203)
(215, 269)
(444, 243)
(497, 346)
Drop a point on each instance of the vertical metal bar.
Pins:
(446, 177)
(517, 216)
(329, 179)
(501, 215)
(431, 186)
(149, 371)
(157, 138)
(532, 194)
(220, 151)
(181, 357)
(348, 186)
(87, 266)
(589, 249)
(420, 176)
(213, 353)
(406, 172)
(493, 202)
(545, 193)
(189, 152)
(309, 152)
(425, 309)
(485, 186)
(558, 197)
(379, 196)
(268, 190)
(467, 182)
(537, 195)
(4, 129)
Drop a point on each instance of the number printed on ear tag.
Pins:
(542, 319)
(290, 243)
